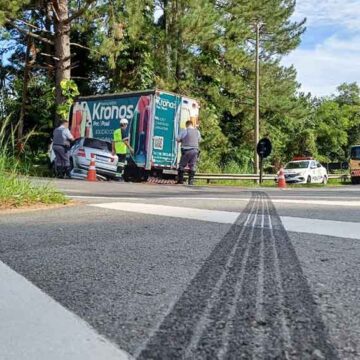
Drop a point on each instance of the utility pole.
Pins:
(257, 92)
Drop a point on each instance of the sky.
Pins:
(329, 53)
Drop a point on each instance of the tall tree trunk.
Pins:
(62, 47)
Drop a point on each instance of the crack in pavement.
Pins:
(250, 299)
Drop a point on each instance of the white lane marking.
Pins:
(350, 203)
(312, 226)
(224, 217)
(33, 326)
(269, 218)
(255, 218)
(157, 198)
(342, 229)
(318, 202)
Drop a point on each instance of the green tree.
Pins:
(348, 99)
(9, 9)
(332, 124)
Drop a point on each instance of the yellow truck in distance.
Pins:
(354, 164)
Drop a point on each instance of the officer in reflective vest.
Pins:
(189, 139)
(120, 145)
(61, 145)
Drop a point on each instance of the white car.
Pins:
(81, 152)
(305, 171)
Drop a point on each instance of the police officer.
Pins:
(120, 145)
(189, 139)
(61, 145)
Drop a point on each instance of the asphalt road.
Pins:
(176, 272)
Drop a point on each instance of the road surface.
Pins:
(177, 272)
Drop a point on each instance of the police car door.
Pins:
(320, 171)
(314, 172)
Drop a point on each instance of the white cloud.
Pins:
(322, 69)
(326, 62)
(344, 13)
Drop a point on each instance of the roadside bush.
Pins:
(17, 189)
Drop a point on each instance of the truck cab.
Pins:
(354, 164)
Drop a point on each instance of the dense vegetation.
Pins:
(18, 191)
(201, 48)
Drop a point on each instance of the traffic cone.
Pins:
(281, 179)
(91, 175)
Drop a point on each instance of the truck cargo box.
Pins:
(155, 119)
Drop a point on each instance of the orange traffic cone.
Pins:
(91, 175)
(281, 179)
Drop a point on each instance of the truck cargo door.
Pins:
(164, 152)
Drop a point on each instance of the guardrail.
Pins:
(218, 177)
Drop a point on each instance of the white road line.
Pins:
(350, 203)
(33, 326)
(322, 227)
(312, 226)
(224, 217)
(344, 203)
(157, 198)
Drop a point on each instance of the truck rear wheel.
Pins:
(135, 174)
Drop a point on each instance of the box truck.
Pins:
(155, 119)
(354, 164)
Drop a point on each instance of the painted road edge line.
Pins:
(224, 217)
(34, 326)
(341, 229)
(350, 203)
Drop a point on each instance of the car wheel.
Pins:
(325, 180)
(308, 180)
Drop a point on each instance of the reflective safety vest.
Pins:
(120, 147)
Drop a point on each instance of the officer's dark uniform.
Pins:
(61, 145)
(189, 139)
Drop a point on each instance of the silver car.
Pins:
(84, 148)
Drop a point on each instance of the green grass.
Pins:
(18, 192)
(16, 189)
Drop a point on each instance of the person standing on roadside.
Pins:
(61, 146)
(189, 139)
(120, 145)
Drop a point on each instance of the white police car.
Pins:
(305, 170)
